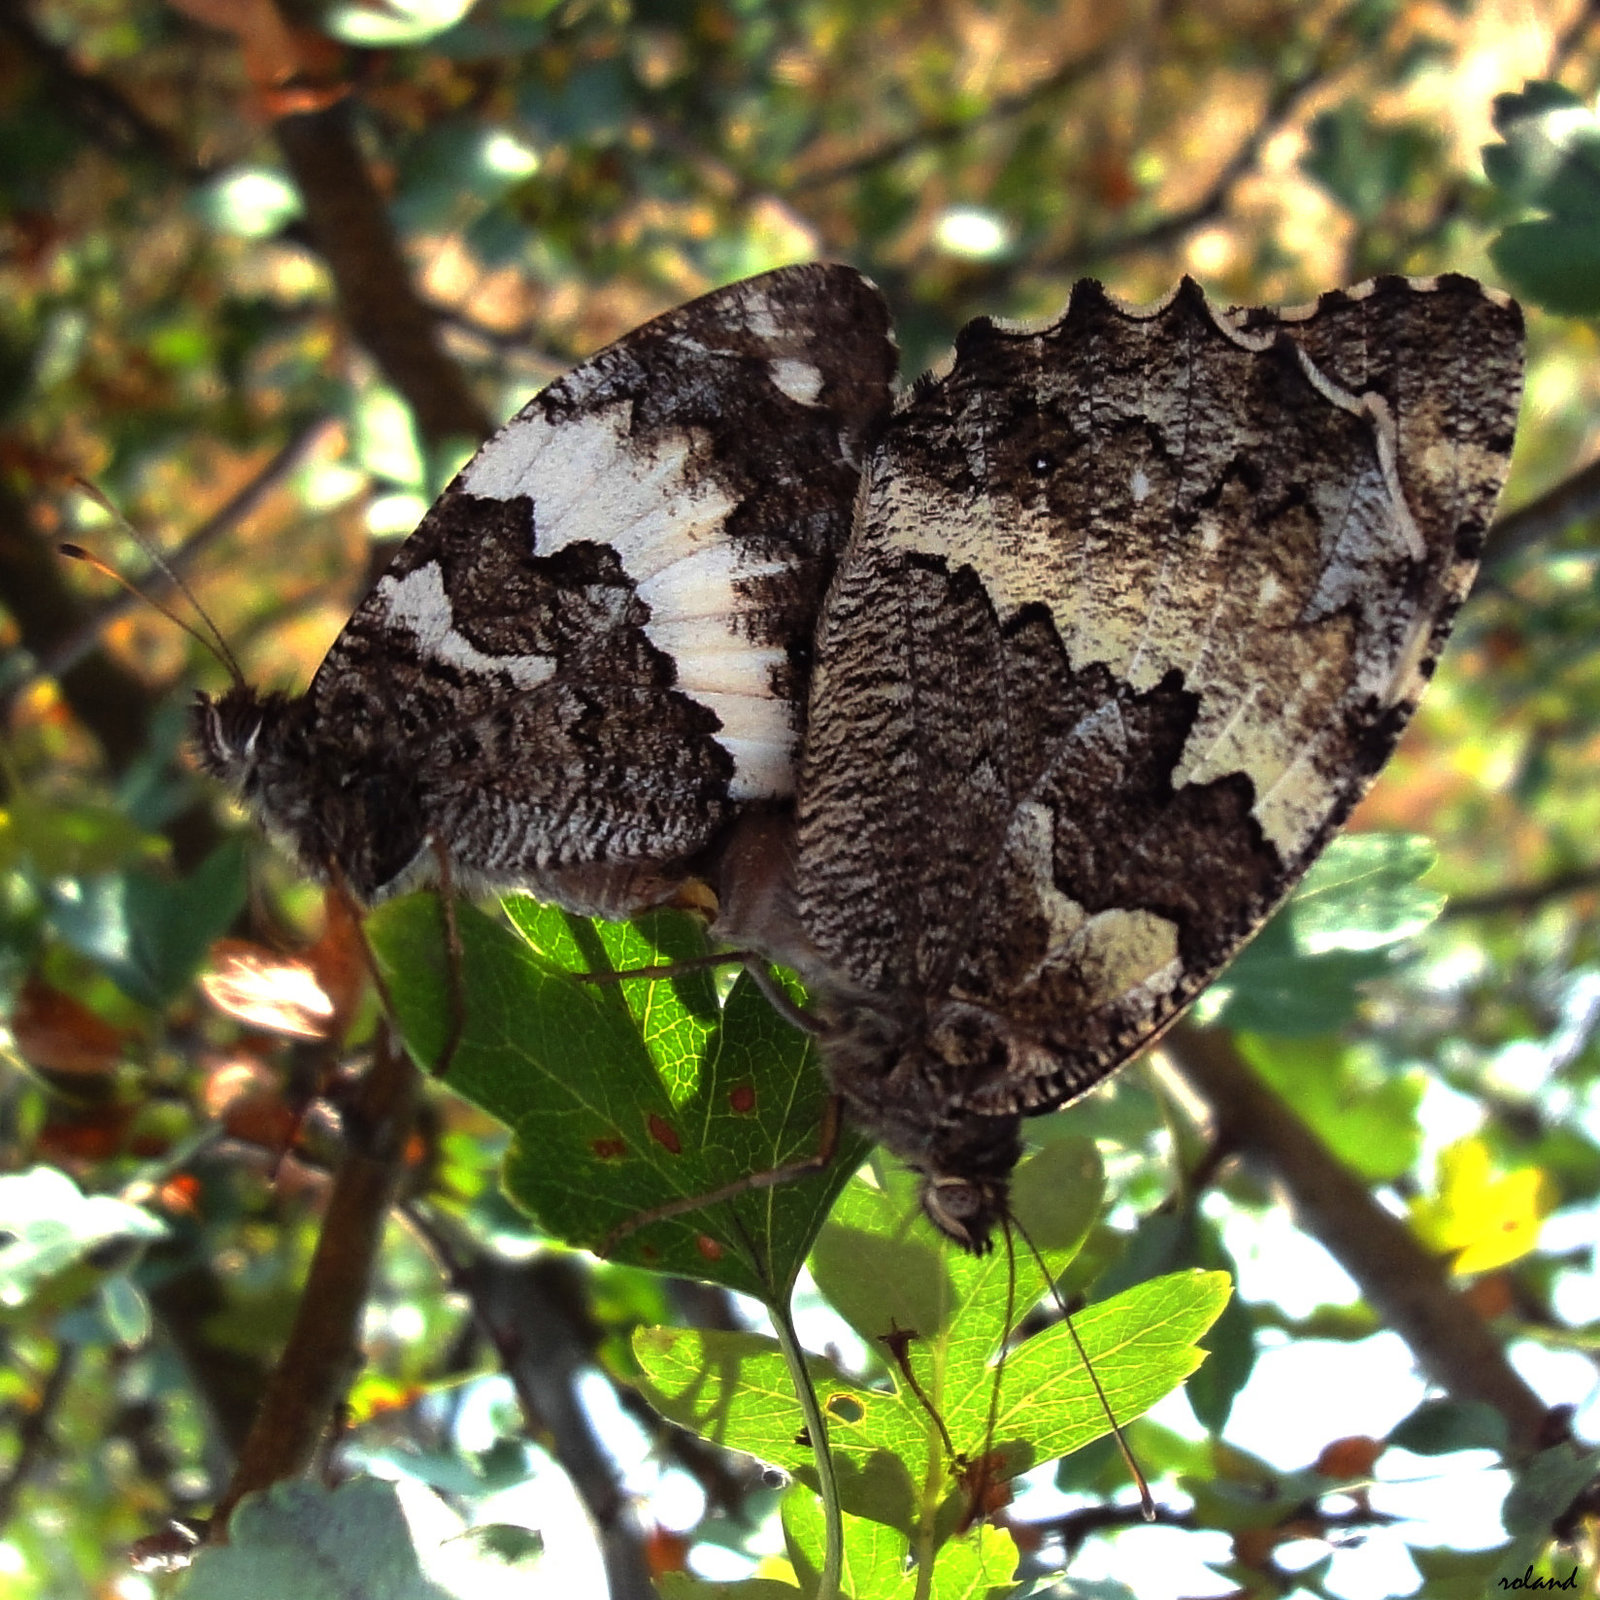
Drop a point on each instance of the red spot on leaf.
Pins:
(609, 1149)
(708, 1247)
(665, 1134)
(743, 1099)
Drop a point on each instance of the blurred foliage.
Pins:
(189, 286)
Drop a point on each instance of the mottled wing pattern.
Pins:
(1135, 608)
(595, 648)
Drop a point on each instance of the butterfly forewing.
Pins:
(1135, 608)
(595, 649)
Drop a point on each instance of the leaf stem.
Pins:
(817, 1432)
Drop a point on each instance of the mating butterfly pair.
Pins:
(1004, 712)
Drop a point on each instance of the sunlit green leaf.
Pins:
(624, 1098)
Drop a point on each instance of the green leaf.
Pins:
(56, 841)
(250, 202)
(625, 1097)
(150, 934)
(1455, 1574)
(48, 1226)
(977, 1564)
(366, 1540)
(1541, 1491)
(1556, 264)
(1367, 1117)
(397, 22)
(1438, 1427)
(685, 1586)
(1549, 161)
(1550, 157)
(892, 1461)
(1300, 974)
(1364, 164)
(386, 442)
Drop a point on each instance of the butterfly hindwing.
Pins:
(1135, 608)
(594, 650)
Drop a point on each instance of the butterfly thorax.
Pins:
(349, 810)
(904, 1079)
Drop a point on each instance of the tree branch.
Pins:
(534, 1316)
(1524, 896)
(33, 1433)
(158, 582)
(324, 1346)
(101, 109)
(1573, 498)
(1403, 1283)
(1165, 231)
(111, 702)
(950, 130)
(352, 231)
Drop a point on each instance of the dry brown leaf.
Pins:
(56, 1033)
(263, 989)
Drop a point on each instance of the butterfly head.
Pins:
(910, 1085)
(233, 733)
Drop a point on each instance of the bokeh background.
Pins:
(269, 272)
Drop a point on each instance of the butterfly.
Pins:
(1005, 712)
(589, 662)
(1135, 607)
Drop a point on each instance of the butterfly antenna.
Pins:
(1008, 1328)
(1147, 1504)
(212, 639)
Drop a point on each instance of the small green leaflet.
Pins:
(1299, 975)
(949, 1309)
(624, 1097)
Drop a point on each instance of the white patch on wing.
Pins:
(800, 380)
(665, 517)
(418, 602)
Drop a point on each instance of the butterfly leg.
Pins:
(798, 1018)
(455, 961)
(827, 1146)
(667, 969)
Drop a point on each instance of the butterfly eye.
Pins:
(1041, 463)
(961, 1209)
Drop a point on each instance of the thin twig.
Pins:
(1162, 232)
(101, 109)
(534, 1317)
(1525, 896)
(1570, 40)
(949, 130)
(244, 503)
(33, 1433)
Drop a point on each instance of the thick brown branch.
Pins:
(324, 1345)
(351, 227)
(1402, 1282)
